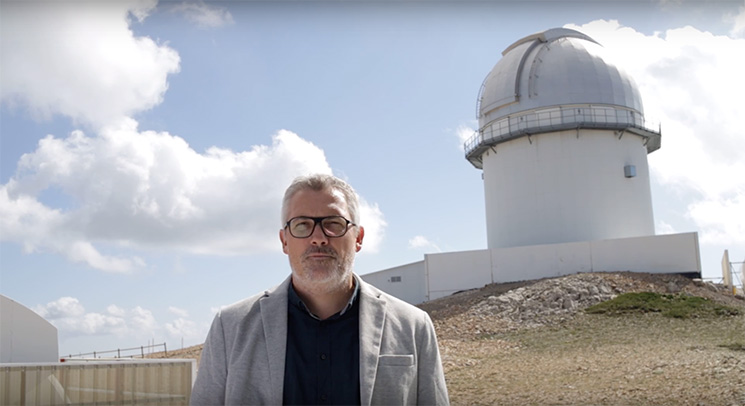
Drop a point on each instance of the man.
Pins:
(323, 336)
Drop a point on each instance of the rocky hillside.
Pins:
(531, 343)
(506, 307)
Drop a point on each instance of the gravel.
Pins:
(530, 343)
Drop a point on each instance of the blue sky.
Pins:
(145, 146)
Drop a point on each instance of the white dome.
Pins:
(551, 81)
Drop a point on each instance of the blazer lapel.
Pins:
(372, 318)
(274, 317)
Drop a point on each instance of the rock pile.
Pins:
(548, 301)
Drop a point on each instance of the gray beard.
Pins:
(335, 277)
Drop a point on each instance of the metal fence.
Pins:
(96, 382)
(134, 352)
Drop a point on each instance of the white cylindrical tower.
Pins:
(563, 145)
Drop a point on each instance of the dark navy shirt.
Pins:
(322, 364)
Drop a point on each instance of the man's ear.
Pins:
(360, 236)
(284, 241)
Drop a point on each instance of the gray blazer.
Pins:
(243, 360)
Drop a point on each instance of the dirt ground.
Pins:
(589, 359)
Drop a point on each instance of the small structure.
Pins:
(563, 146)
(24, 335)
(31, 372)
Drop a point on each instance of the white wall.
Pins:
(443, 274)
(668, 253)
(24, 335)
(540, 261)
(451, 272)
(566, 186)
(412, 286)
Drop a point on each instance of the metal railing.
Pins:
(558, 119)
(134, 352)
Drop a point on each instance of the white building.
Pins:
(563, 146)
(24, 335)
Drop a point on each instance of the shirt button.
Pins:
(323, 356)
(324, 397)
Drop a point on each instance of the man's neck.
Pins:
(325, 303)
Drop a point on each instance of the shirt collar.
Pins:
(295, 300)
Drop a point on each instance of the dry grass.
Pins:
(590, 359)
(601, 360)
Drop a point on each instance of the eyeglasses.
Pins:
(332, 226)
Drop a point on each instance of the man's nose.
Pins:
(318, 237)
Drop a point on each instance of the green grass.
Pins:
(737, 346)
(679, 306)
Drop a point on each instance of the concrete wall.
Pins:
(406, 282)
(443, 274)
(668, 253)
(24, 335)
(540, 261)
(451, 272)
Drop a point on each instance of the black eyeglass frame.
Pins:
(317, 221)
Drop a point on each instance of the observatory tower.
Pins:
(563, 145)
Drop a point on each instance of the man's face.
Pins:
(320, 262)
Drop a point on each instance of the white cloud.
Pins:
(664, 228)
(722, 221)
(178, 311)
(184, 328)
(371, 218)
(737, 21)
(61, 308)
(204, 15)
(115, 310)
(92, 324)
(81, 60)
(691, 81)
(421, 242)
(128, 325)
(148, 190)
(72, 320)
(142, 320)
(465, 132)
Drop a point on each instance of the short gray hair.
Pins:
(319, 182)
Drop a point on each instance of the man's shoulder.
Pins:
(242, 306)
(245, 306)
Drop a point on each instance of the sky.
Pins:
(145, 146)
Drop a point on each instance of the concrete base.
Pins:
(446, 273)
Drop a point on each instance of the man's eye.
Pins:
(302, 225)
(334, 225)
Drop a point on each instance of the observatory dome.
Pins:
(551, 81)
